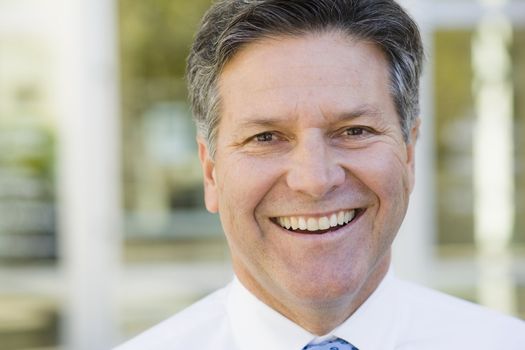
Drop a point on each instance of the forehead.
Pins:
(330, 71)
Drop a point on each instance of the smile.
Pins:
(317, 225)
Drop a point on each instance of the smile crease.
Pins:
(312, 224)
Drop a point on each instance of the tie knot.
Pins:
(334, 344)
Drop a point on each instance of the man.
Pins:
(307, 112)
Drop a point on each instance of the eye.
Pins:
(355, 134)
(356, 131)
(265, 137)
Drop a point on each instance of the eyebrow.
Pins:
(364, 110)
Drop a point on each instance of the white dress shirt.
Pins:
(398, 315)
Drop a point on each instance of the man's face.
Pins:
(309, 138)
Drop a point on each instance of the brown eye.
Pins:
(264, 137)
(355, 131)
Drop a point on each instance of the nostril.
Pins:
(316, 180)
(314, 170)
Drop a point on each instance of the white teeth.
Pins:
(340, 218)
(295, 223)
(313, 224)
(333, 220)
(347, 217)
(324, 223)
(302, 224)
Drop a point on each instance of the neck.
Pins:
(320, 316)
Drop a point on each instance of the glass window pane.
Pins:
(162, 176)
(29, 316)
(27, 222)
(454, 112)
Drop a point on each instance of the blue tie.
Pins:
(335, 344)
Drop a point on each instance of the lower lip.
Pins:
(342, 230)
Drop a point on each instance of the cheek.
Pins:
(386, 173)
(242, 185)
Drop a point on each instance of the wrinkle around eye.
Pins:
(364, 138)
(257, 145)
(266, 138)
(357, 133)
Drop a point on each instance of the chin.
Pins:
(326, 288)
(337, 284)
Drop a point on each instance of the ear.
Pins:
(210, 183)
(411, 153)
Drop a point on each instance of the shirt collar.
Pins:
(257, 326)
(375, 325)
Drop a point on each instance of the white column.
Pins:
(89, 171)
(493, 159)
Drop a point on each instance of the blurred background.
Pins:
(103, 232)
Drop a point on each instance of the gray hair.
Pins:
(230, 25)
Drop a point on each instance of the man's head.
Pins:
(232, 24)
(308, 119)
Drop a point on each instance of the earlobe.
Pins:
(208, 171)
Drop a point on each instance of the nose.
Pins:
(314, 170)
